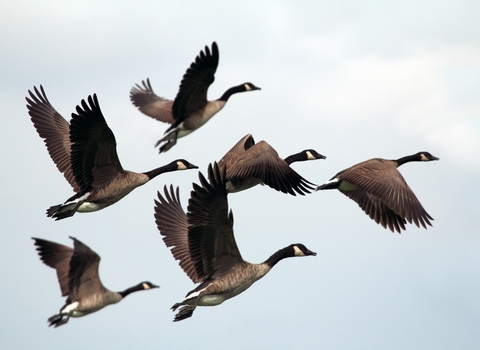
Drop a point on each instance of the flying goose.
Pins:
(85, 151)
(77, 273)
(203, 242)
(190, 109)
(381, 191)
(249, 164)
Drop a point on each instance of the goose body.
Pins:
(77, 272)
(381, 191)
(203, 242)
(85, 151)
(249, 164)
(190, 110)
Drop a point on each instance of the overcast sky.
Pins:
(353, 81)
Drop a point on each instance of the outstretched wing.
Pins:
(56, 256)
(94, 157)
(377, 210)
(172, 223)
(263, 162)
(192, 94)
(212, 245)
(83, 278)
(55, 131)
(151, 104)
(391, 189)
(244, 144)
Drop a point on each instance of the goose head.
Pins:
(250, 87)
(147, 285)
(426, 157)
(182, 164)
(311, 154)
(299, 249)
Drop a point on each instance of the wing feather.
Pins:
(383, 183)
(94, 157)
(55, 131)
(151, 104)
(192, 94)
(172, 223)
(56, 256)
(210, 232)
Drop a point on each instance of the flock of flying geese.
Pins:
(202, 239)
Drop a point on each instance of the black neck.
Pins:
(297, 157)
(406, 159)
(131, 290)
(286, 252)
(163, 169)
(233, 90)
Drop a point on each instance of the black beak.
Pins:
(309, 252)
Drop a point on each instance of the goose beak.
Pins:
(192, 166)
(309, 252)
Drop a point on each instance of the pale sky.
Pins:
(353, 81)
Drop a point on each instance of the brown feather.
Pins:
(54, 129)
(151, 104)
(249, 164)
(56, 256)
(382, 192)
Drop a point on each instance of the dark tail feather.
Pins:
(52, 210)
(61, 211)
(185, 312)
(58, 319)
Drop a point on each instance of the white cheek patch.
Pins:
(310, 156)
(181, 166)
(423, 158)
(247, 87)
(145, 286)
(298, 251)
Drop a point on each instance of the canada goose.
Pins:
(381, 191)
(85, 151)
(203, 242)
(190, 109)
(77, 273)
(249, 164)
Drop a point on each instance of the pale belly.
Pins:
(195, 121)
(102, 202)
(216, 299)
(88, 207)
(211, 300)
(184, 132)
